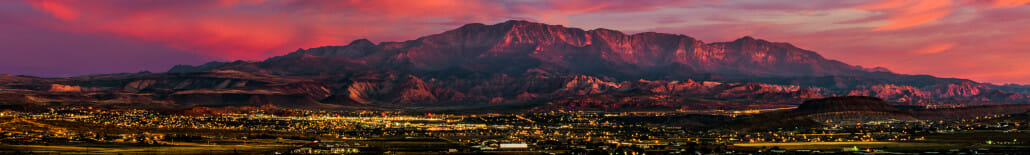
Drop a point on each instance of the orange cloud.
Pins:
(936, 48)
(908, 13)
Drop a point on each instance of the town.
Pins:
(331, 132)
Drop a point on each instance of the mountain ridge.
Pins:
(518, 65)
(626, 57)
(569, 47)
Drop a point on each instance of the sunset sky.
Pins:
(983, 40)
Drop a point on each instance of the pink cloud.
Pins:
(256, 29)
(984, 43)
(181, 27)
(393, 9)
(59, 10)
(558, 12)
(906, 13)
(910, 36)
(936, 48)
(1003, 3)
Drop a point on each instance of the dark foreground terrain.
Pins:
(832, 125)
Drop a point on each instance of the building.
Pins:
(513, 146)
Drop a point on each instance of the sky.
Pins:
(982, 40)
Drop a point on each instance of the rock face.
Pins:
(843, 104)
(891, 92)
(964, 89)
(850, 110)
(66, 88)
(529, 65)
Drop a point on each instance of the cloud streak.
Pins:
(1003, 3)
(936, 48)
(908, 36)
(255, 29)
(908, 13)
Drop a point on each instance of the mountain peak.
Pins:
(507, 26)
(757, 41)
(523, 25)
(520, 22)
(747, 39)
(516, 21)
(361, 42)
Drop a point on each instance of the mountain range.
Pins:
(514, 65)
